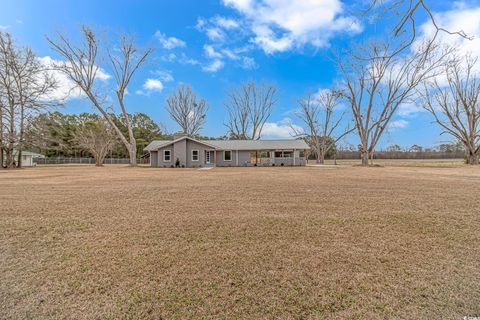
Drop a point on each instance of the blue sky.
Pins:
(214, 45)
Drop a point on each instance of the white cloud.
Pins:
(408, 109)
(3, 28)
(66, 89)
(281, 25)
(200, 23)
(217, 59)
(230, 54)
(226, 23)
(186, 60)
(461, 18)
(215, 34)
(169, 42)
(214, 66)
(280, 130)
(210, 52)
(249, 63)
(164, 75)
(397, 124)
(153, 85)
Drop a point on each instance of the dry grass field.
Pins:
(80, 242)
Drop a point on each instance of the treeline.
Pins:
(375, 79)
(56, 134)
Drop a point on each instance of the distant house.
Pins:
(27, 157)
(189, 152)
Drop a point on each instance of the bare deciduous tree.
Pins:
(97, 138)
(406, 13)
(377, 83)
(456, 105)
(24, 88)
(184, 109)
(249, 107)
(321, 121)
(82, 66)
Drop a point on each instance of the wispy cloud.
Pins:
(397, 124)
(169, 42)
(214, 66)
(249, 63)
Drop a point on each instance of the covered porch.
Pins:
(287, 157)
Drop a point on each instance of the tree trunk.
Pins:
(321, 158)
(132, 152)
(98, 162)
(20, 138)
(19, 157)
(1, 138)
(473, 158)
(365, 158)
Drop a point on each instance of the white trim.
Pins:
(231, 155)
(198, 155)
(169, 155)
(189, 138)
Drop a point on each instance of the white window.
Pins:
(195, 154)
(227, 155)
(166, 155)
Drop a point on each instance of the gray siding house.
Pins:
(193, 153)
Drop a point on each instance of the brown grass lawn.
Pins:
(254, 243)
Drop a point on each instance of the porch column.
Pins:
(294, 157)
(236, 157)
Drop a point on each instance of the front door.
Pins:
(208, 157)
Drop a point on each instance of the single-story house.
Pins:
(188, 152)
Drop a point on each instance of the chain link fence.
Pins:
(390, 155)
(61, 160)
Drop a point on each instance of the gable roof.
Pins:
(236, 144)
(157, 144)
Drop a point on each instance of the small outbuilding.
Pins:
(27, 157)
(189, 152)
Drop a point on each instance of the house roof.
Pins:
(28, 153)
(237, 144)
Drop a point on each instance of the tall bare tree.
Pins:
(377, 83)
(82, 66)
(25, 84)
(456, 104)
(249, 107)
(186, 111)
(405, 14)
(321, 122)
(97, 138)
